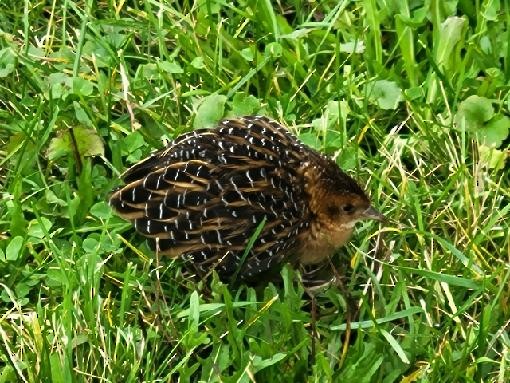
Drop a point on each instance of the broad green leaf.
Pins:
(82, 87)
(81, 115)
(101, 54)
(245, 104)
(210, 111)
(101, 210)
(330, 116)
(171, 67)
(198, 63)
(131, 146)
(90, 245)
(147, 71)
(59, 146)
(55, 277)
(348, 157)
(310, 139)
(491, 10)
(12, 252)
(495, 131)
(7, 62)
(247, 54)
(332, 141)
(473, 112)
(260, 364)
(355, 46)
(449, 35)
(59, 85)
(414, 93)
(386, 94)
(274, 50)
(493, 158)
(87, 142)
(52, 198)
(39, 228)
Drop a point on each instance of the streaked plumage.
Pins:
(203, 197)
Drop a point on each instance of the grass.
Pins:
(410, 97)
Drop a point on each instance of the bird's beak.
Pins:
(372, 213)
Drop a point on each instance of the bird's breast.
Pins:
(321, 241)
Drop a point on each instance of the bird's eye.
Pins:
(348, 208)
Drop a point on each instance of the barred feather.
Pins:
(204, 195)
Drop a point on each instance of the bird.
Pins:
(210, 191)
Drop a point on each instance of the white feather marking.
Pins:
(249, 178)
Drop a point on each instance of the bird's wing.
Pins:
(204, 196)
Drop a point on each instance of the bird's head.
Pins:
(346, 209)
(336, 197)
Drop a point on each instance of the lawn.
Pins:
(411, 98)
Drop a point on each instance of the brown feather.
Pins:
(204, 195)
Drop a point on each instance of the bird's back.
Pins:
(204, 196)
